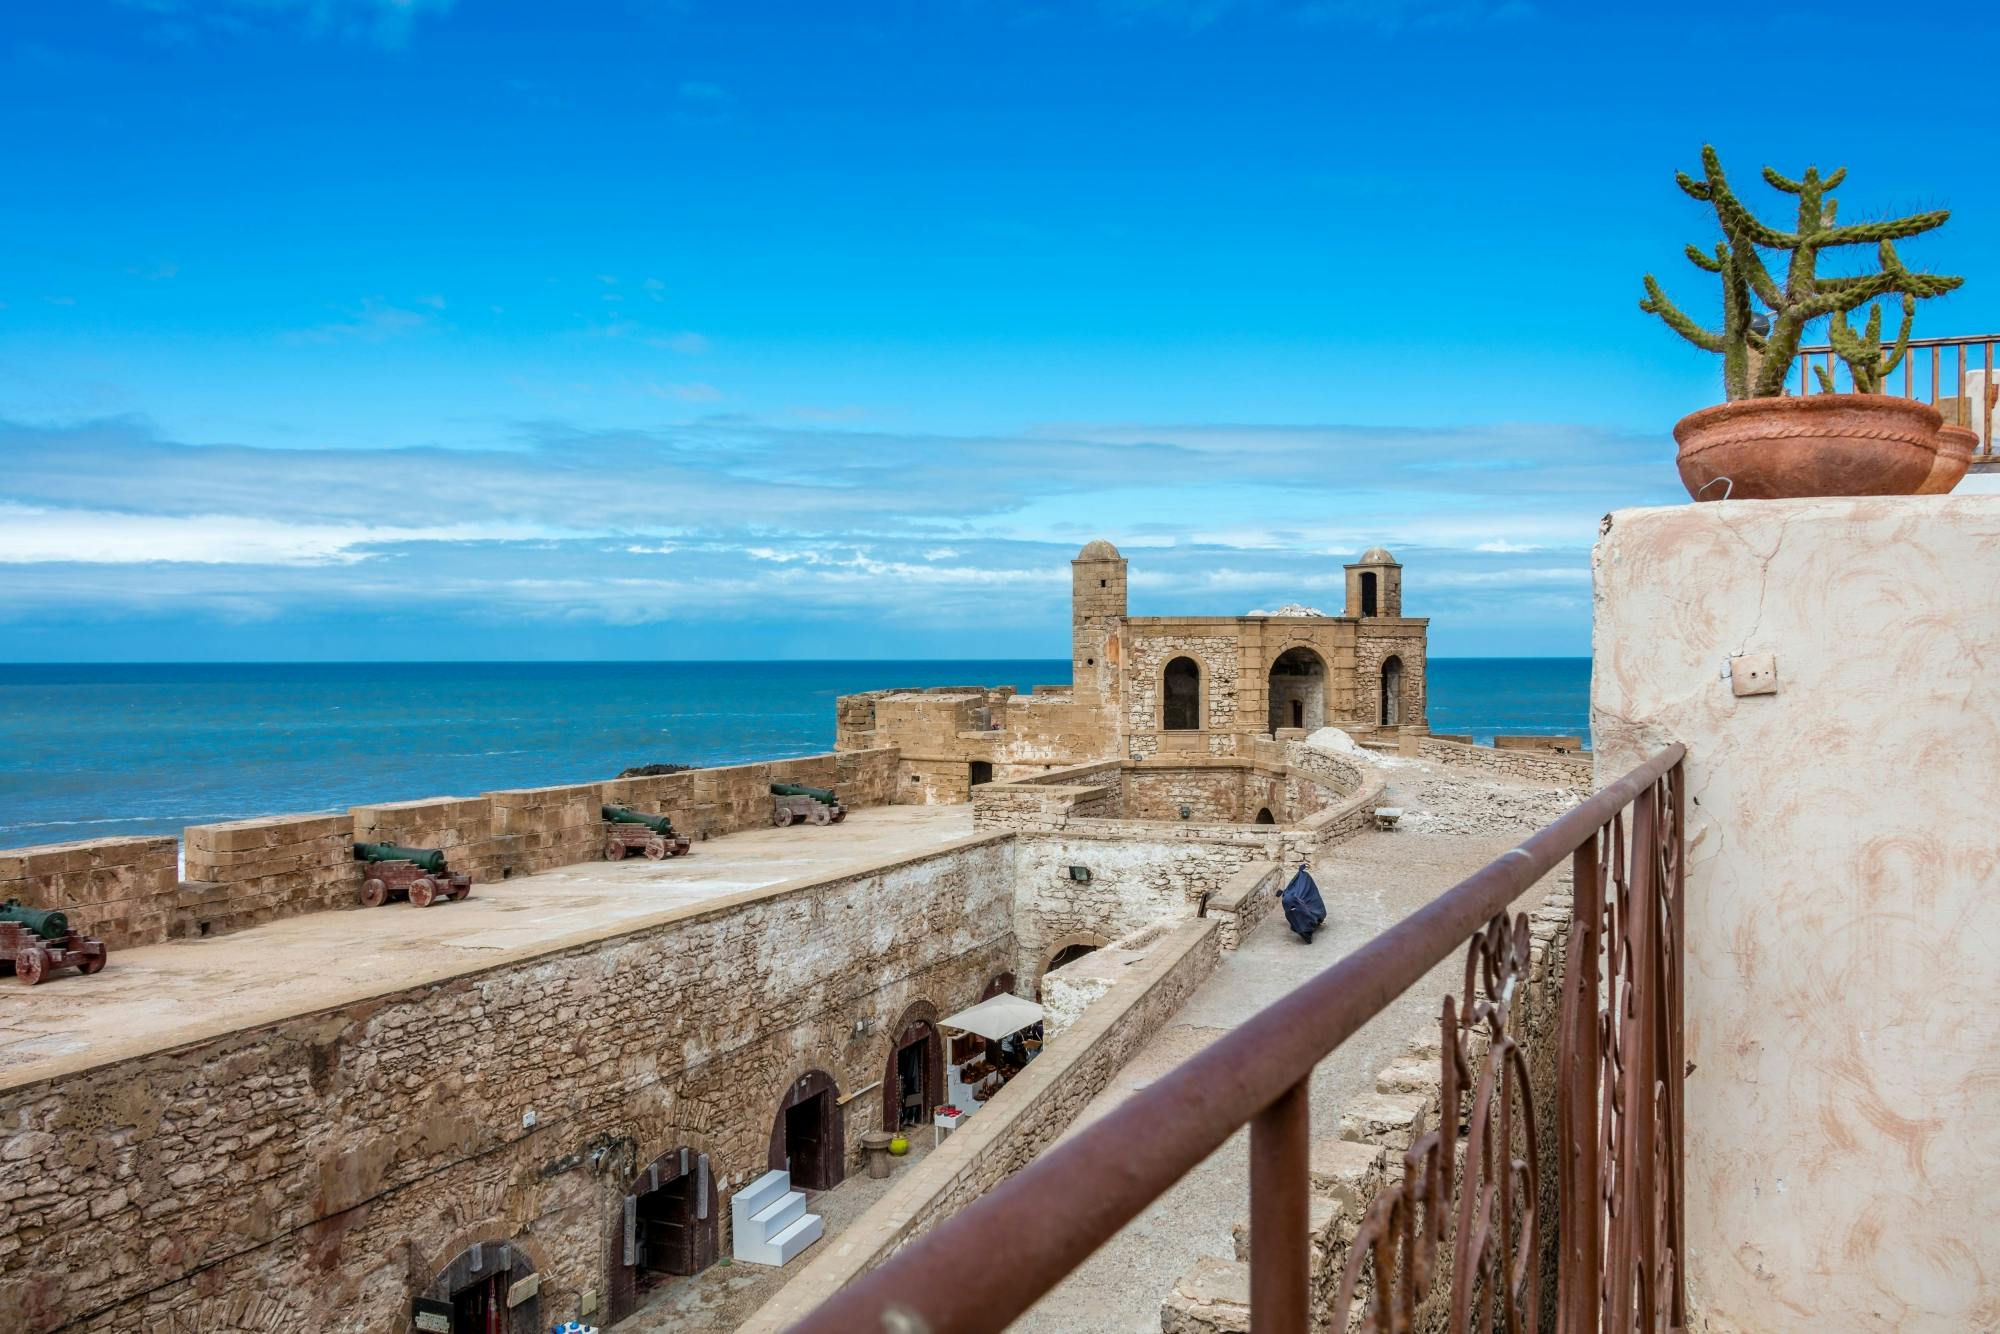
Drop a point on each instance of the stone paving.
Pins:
(1369, 883)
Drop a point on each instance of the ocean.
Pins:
(91, 751)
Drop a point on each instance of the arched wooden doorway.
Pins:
(487, 1288)
(668, 1226)
(913, 1079)
(1392, 691)
(808, 1136)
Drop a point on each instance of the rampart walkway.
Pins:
(160, 995)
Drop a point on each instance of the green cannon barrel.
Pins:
(659, 824)
(824, 794)
(44, 922)
(429, 859)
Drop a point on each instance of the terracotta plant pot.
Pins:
(1954, 456)
(1812, 445)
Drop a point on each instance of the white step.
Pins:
(763, 1191)
(803, 1232)
(775, 1218)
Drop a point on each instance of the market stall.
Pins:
(988, 1045)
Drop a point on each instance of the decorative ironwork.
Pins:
(1474, 1179)
(1496, 1265)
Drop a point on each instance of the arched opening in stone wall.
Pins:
(1180, 696)
(1392, 691)
(982, 772)
(1001, 985)
(1368, 603)
(490, 1287)
(808, 1135)
(668, 1226)
(1066, 950)
(1297, 684)
(1264, 816)
(913, 1079)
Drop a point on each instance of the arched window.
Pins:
(1368, 593)
(1181, 711)
(1392, 691)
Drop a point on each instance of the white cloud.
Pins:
(31, 535)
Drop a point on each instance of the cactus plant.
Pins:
(1754, 363)
(1863, 351)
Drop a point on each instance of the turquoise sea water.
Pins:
(90, 751)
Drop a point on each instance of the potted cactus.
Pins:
(1762, 443)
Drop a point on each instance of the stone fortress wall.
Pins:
(241, 873)
(313, 1172)
(322, 1164)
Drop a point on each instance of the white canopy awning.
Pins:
(996, 1017)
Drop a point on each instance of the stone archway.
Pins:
(1297, 689)
(809, 1133)
(1065, 949)
(488, 1283)
(668, 1225)
(1392, 691)
(1180, 695)
(913, 1074)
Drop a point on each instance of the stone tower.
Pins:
(1375, 585)
(1097, 623)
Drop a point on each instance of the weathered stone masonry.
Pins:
(319, 1163)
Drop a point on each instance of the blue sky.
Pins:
(633, 329)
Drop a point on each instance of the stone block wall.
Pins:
(245, 872)
(1537, 766)
(459, 827)
(549, 827)
(1209, 793)
(866, 777)
(315, 1167)
(1135, 881)
(1245, 899)
(120, 890)
(1013, 1127)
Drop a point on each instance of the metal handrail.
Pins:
(988, 1264)
(1943, 384)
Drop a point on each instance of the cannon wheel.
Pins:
(463, 891)
(423, 891)
(91, 963)
(31, 965)
(656, 847)
(839, 814)
(614, 849)
(374, 892)
(821, 815)
(782, 816)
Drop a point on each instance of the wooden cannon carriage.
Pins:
(417, 874)
(793, 802)
(629, 831)
(36, 941)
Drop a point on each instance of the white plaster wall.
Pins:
(1843, 911)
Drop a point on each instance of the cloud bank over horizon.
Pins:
(729, 537)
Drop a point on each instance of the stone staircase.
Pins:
(770, 1221)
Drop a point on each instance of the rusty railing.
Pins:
(1617, 1121)
(1952, 394)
